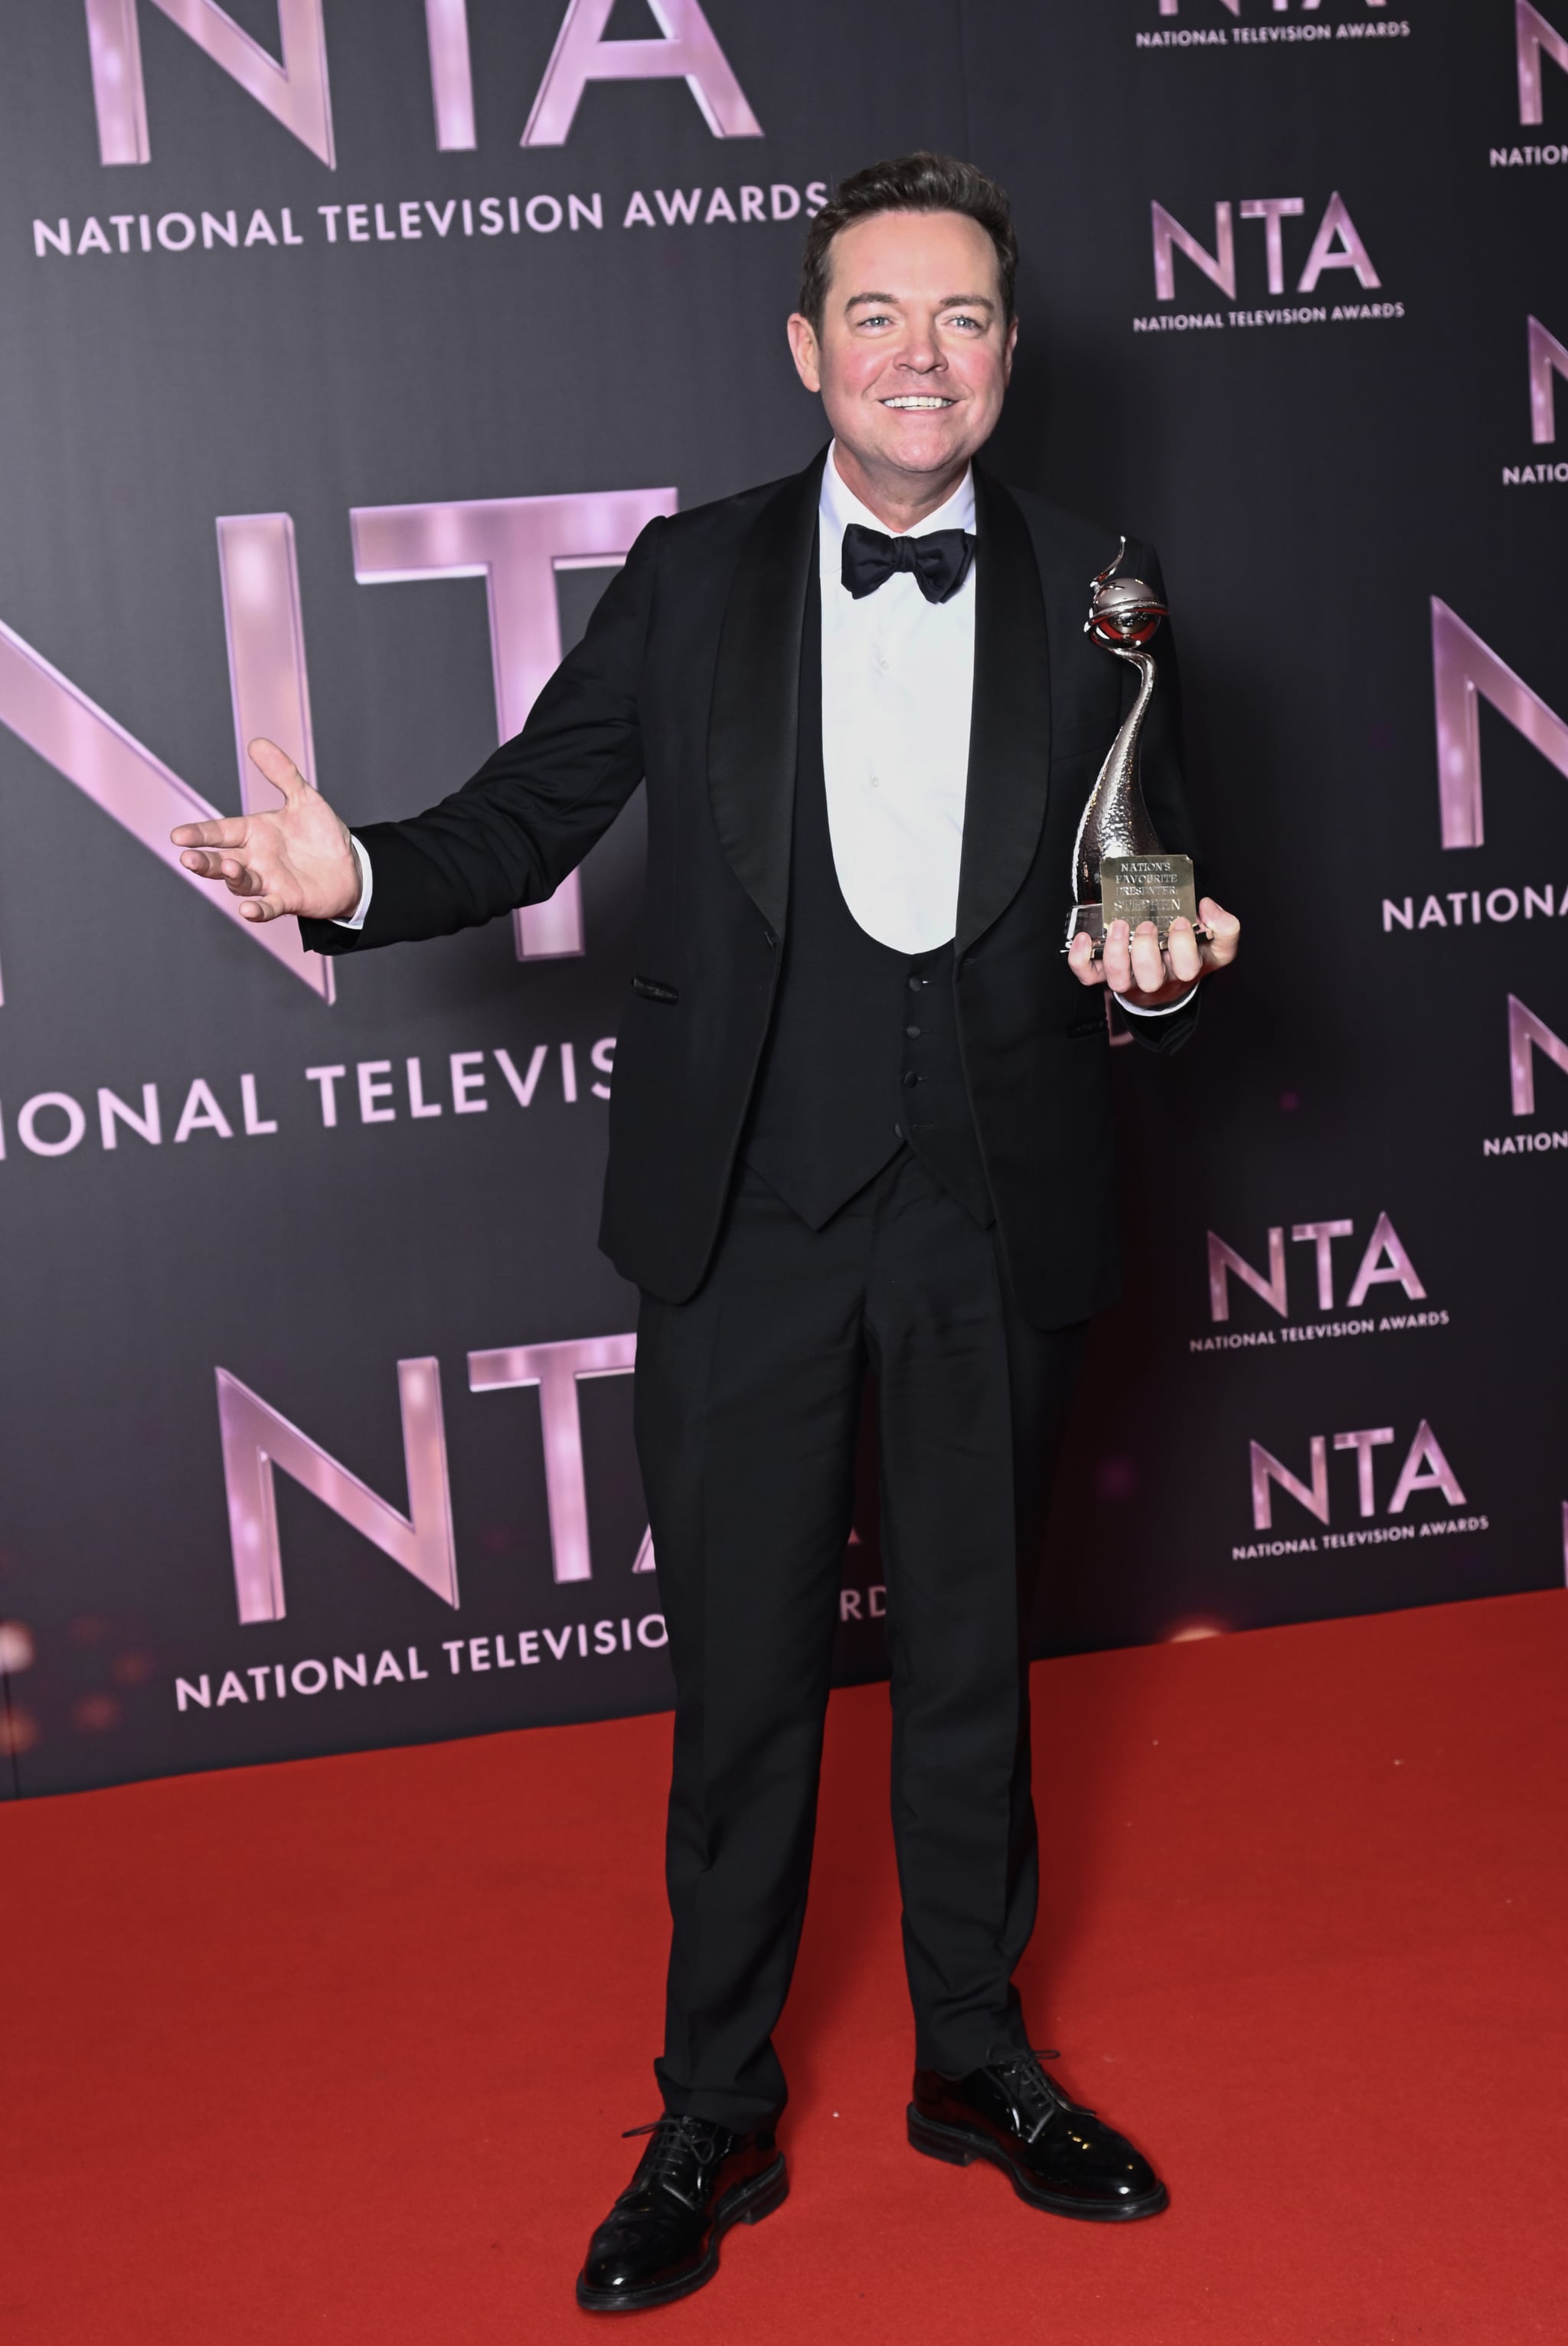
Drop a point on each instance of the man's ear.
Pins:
(1007, 355)
(803, 349)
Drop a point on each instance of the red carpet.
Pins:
(340, 2050)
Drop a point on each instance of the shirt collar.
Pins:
(839, 506)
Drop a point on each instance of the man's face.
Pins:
(914, 355)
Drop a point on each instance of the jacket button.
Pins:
(912, 1032)
(910, 1080)
(915, 984)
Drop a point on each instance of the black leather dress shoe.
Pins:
(660, 2239)
(1057, 2155)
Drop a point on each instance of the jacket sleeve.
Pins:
(1164, 794)
(533, 810)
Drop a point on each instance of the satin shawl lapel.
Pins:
(1010, 730)
(755, 715)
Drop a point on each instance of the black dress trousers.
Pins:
(748, 1407)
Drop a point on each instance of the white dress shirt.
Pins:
(898, 685)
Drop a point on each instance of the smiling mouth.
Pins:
(918, 405)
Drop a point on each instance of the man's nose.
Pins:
(921, 353)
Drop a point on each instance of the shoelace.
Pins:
(1036, 2096)
(676, 2140)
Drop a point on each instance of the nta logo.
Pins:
(1533, 35)
(258, 1439)
(1173, 7)
(516, 544)
(294, 89)
(1425, 1468)
(1527, 1034)
(1337, 245)
(1384, 1262)
(1547, 359)
(1465, 672)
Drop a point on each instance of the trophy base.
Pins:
(1137, 888)
(1087, 921)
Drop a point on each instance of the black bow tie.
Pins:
(940, 560)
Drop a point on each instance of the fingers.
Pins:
(240, 879)
(1118, 963)
(1182, 954)
(1081, 962)
(1224, 933)
(229, 832)
(208, 866)
(1147, 961)
(1137, 970)
(279, 770)
(1133, 959)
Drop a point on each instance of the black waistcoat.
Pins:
(862, 1055)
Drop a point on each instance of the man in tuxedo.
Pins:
(861, 1126)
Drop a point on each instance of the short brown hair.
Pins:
(920, 182)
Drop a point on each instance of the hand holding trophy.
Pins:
(1135, 921)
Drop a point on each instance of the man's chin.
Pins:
(928, 443)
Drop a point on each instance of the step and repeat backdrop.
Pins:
(348, 345)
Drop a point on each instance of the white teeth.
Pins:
(917, 403)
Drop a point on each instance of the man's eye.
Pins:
(972, 325)
(880, 318)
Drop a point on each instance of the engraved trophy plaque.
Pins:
(1120, 870)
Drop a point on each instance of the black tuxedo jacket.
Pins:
(688, 675)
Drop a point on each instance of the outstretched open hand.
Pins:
(296, 858)
(1134, 966)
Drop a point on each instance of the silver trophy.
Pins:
(1120, 870)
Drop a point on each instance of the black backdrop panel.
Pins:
(1292, 305)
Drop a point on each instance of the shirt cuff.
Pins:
(1133, 1009)
(356, 919)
